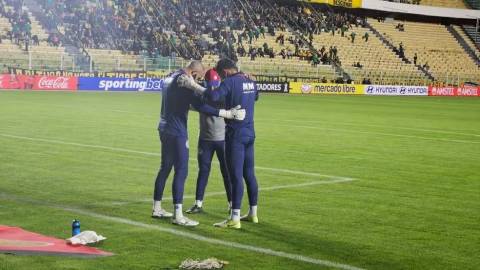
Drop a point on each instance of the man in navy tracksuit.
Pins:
(211, 140)
(238, 90)
(178, 95)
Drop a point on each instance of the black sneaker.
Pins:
(194, 210)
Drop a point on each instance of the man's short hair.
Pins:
(226, 63)
(196, 65)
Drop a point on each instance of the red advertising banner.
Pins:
(442, 91)
(27, 82)
(472, 91)
(468, 91)
(8, 81)
(55, 83)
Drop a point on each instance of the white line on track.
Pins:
(122, 111)
(383, 134)
(334, 180)
(124, 150)
(193, 236)
(382, 126)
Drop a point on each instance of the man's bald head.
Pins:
(196, 69)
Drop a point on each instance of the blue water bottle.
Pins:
(75, 227)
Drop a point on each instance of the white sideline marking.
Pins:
(117, 149)
(218, 193)
(384, 126)
(385, 134)
(122, 111)
(194, 236)
(80, 145)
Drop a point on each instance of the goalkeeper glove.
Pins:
(236, 113)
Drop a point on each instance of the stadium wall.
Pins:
(74, 83)
(403, 8)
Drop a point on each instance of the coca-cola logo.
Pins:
(53, 83)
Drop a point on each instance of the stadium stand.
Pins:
(435, 3)
(473, 33)
(444, 3)
(377, 62)
(474, 4)
(470, 42)
(28, 45)
(51, 56)
(105, 59)
(436, 49)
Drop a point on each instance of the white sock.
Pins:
(235, 216)
(199, 203)
(230, 204)
(178, 211)
(253, 211)
(157, 205)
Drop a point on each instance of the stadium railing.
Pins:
(46, 61)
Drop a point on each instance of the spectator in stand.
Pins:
(352, 35)
(366, 81)
(35, 40)
(289, 53)
(365, 37)
(415, 58)
(241, 51)
(315, 60)
(280, 39)
(426, 66)
(334, 51)
(401, 50)
(252, 53)
(343, 29)
(400, 27)
(358, 65)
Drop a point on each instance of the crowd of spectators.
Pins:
(21, 31)
(169, 27)
(191, 29)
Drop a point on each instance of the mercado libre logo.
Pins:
(306, 88)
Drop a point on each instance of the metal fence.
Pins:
(48, 61)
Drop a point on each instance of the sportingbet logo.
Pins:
(127, 84)
(53, 83)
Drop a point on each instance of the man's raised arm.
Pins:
(187, 81)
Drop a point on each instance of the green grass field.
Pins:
(366, 182)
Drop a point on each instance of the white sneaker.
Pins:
(184, 221)
(161, 214)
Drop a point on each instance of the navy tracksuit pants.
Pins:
(241, 165)
(174, 154)
(206, 150)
